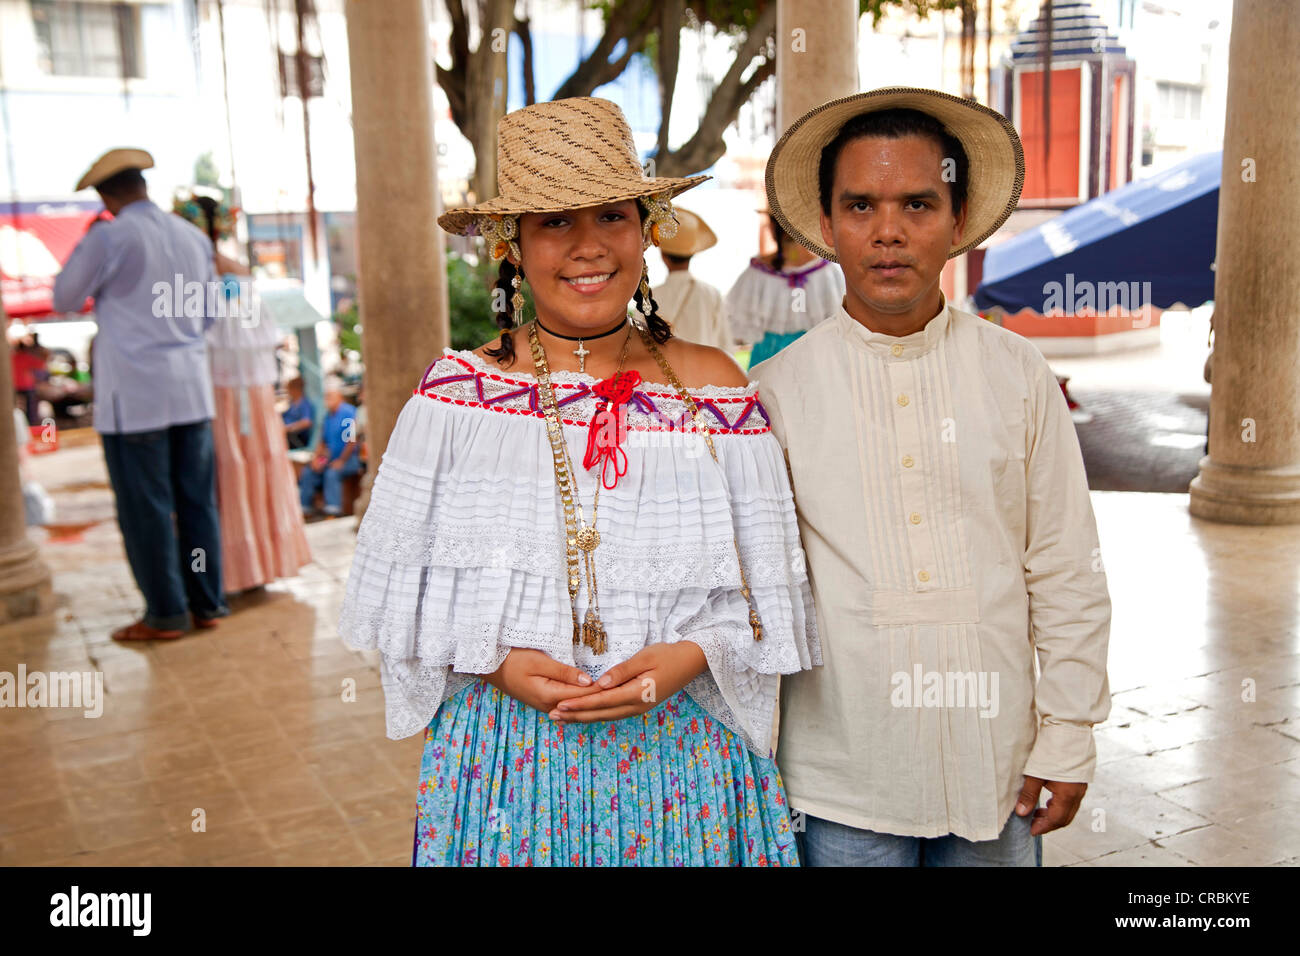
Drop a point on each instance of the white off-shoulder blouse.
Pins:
(460, 556)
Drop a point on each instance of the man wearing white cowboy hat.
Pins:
(153, 392)
(943, 506)
(691, 306)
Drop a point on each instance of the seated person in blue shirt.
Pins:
(336, 455)
(299, 417)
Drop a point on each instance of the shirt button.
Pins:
(907, 461)
(914, 517)
(923, 576)
(896, 349)
(903, 400)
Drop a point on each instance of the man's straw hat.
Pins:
(565, 154)
(112, 163)
(997, 161)
(693, 235)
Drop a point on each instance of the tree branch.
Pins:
(632, 19)
(523, 29)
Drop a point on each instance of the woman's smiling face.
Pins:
(583, 265)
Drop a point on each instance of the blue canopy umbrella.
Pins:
(1158, 233)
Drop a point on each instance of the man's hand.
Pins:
(538, 680)
(1061, 807)
(337, 464)
(640, 683)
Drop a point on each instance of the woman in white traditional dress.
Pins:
(591, 652)
(782, 295)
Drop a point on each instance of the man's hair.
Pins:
(295, 383)
(895, 124)
(128, 182)
(675, 260)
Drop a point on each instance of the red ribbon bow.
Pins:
(604, 433)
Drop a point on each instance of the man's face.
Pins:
(333, 400)
(891, 221)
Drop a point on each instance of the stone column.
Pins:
(816, 55)
(25, 588)
(401, 283)
(1252, 473)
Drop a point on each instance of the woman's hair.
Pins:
(209, 207)
(504, 352)
(778, 260)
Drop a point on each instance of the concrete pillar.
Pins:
(25, 588)
(1252, 473)
(401, 283)
(816, 55)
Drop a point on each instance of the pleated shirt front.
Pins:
(952, 551)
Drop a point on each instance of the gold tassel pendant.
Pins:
(756, 624)
(593, 632)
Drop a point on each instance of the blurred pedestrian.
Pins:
(692, 306)
(27, 360)
(153, 392)
(336, 456)
(261, 525)
(300, 417)
(782, 295)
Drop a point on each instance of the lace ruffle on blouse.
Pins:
(460, 555)
(763, 300)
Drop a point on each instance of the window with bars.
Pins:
(87, 39)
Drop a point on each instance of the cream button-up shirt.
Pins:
(694, 309)
(951, 544)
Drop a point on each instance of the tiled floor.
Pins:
(241, 745)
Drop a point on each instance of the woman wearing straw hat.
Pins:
(942, 495)
(580, 563)
(692, 307)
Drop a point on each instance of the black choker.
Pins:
(582, 338)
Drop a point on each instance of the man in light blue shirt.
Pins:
(335, 458)
(152, 280)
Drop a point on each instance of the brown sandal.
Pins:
(205, 623)
(140, 631)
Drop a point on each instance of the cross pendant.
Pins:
(582, 354)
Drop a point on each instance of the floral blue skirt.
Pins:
(501, 784)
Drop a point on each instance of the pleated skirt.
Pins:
(262, 536)
(503, 785)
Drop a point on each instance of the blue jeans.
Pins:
(165, 485)
(309, 482)
(824, 843)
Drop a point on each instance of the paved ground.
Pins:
(1140, 440)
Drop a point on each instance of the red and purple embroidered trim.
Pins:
(749, 419)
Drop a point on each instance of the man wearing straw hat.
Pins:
(692, 307)
(153, 393)
(943, 507)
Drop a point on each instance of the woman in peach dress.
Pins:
(262, 534)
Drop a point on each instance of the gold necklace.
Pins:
(755, 624)
(579, 536)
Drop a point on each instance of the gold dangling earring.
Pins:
(517, 300)
(646, 307)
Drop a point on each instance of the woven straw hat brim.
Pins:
(558, 196)
(693, 235)
(112, 163)
(997, 161)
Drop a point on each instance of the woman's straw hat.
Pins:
(996, 172)
(112, 163)
(565, 154)
(693, 235)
